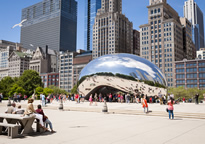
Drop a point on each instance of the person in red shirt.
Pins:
(76, 98)
(45, 118)
(171, 108)
(110, 97)
(144, 104)
(150, 100)
(183, 99)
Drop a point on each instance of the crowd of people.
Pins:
(94, 98)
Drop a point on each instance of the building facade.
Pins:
(91, 7)
(49, 79)
(161, 40)
(190, 73)
(18, 63)
(79, 62)
(188, 45)
(112, 31)
(52, 23)
(194, 14)
(4, 62)
(4, 44)
(136, 42)
(44, 61)
(71, 64)
(201, 53)
(66, 70)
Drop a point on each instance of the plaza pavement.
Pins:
(182, 110)
(78, 127)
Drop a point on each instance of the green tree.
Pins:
(47, 91)
(178, 92)
(74, 90)
(29, 81)
(5, 85)
(56, 90)
(16, 89)
(39, 90)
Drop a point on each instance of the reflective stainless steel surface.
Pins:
(126, 66)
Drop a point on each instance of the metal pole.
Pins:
(105, 109)
(61, 104)
(9, 102)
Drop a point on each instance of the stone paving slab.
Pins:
(74, 127)
(182, 110)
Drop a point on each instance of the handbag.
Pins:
(167, 110)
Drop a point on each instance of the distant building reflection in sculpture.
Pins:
(125, 73)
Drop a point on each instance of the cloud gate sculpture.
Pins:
(125, 73)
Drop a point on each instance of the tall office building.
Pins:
(112, 31)
(136, 42)
(52, 23)
(161, 40)
(193, 13)
(91, 7)
(188, 45)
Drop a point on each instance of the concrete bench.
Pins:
(12, 129)
(38, 126)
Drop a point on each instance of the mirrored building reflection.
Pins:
(121, 72)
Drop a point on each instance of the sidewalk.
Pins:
(182, 110)
(98, 128)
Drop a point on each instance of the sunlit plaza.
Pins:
(124, 123)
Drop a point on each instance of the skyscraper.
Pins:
(112, 31)
(193, 13)
(52, 23)
(91, 7)
(161, 40)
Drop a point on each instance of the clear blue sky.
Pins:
(135, 10)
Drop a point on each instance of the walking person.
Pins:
(25, 97)
(144, 104)
(100, 97)
(1, 97)
(121, 98)
(96, 98)
(43, 100)
(171, 108)
(91, 99)
(197, 98)
(183, 99)
(110, 97)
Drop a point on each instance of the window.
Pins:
(191, 65)
(180, 76)
(179, 70)
(191, 70)
(191, 75)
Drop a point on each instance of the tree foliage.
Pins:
(16, 89)
(181, 92)
(5, 85)
(47, 91)
(30, 80)
(74, 90)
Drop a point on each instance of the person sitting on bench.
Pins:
(45, 118)
(30, 111)
(19, 110)
(11, 108)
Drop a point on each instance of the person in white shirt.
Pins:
(11, 108)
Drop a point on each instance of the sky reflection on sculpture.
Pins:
(126, 64)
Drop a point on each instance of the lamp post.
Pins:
(9, 102)
(61, 104)
(105, 109)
